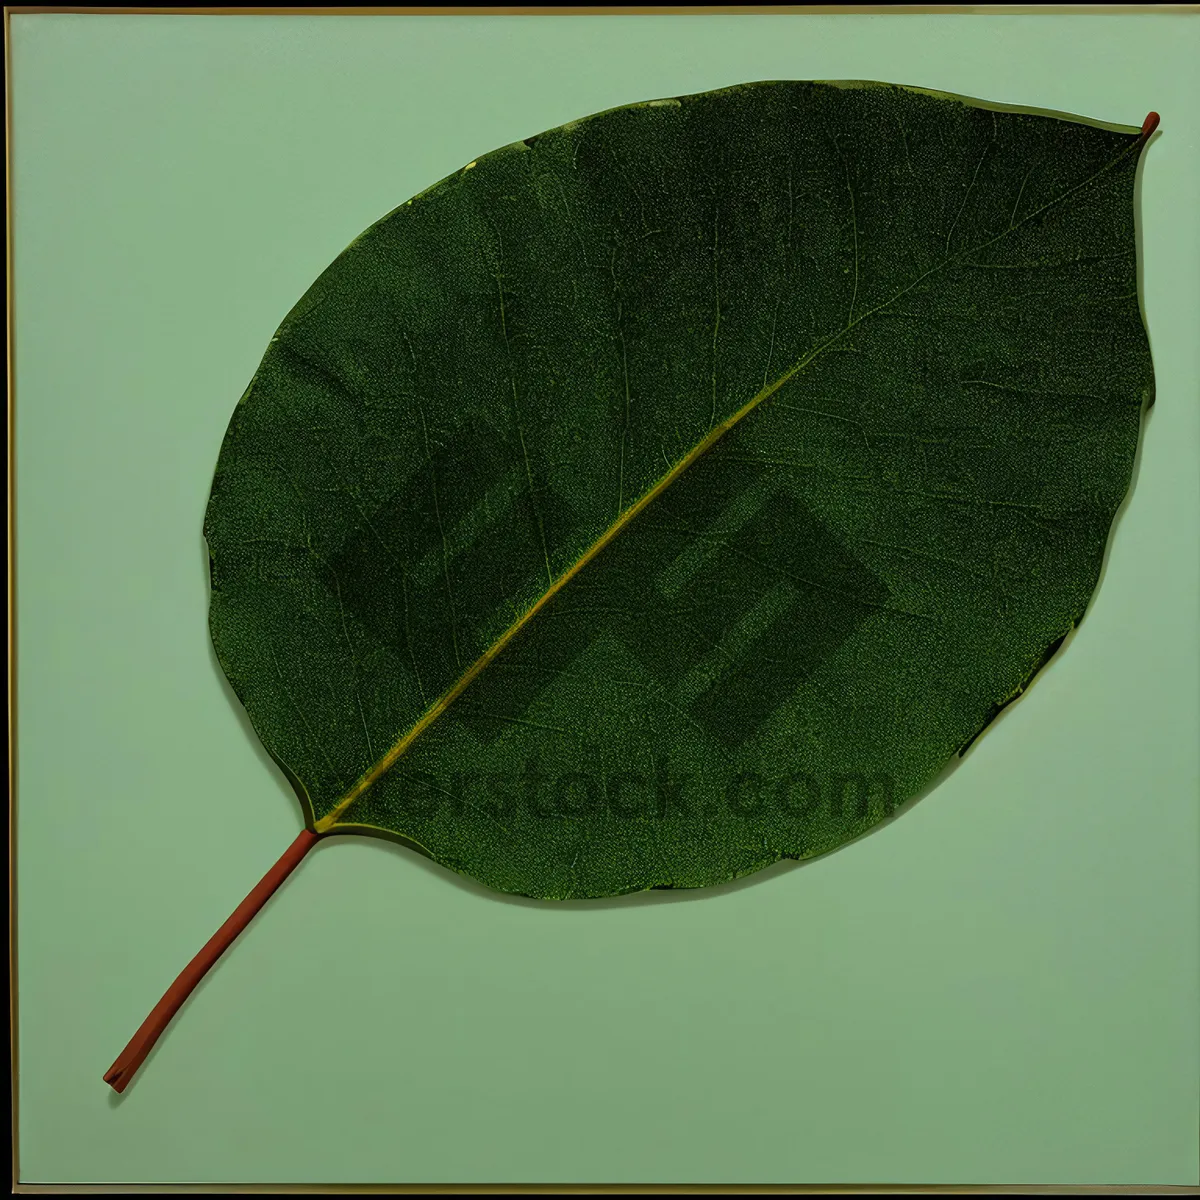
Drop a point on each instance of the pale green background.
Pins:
(1000, 987)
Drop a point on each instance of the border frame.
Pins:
(20, 1188)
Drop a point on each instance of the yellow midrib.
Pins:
(444, 701)
(714, 435)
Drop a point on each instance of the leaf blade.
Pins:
(635, 206)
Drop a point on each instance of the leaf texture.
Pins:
(682, 488)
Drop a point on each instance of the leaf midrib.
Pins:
(439, 706)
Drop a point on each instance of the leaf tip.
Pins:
(1149, 125)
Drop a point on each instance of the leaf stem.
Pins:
(134, 1054)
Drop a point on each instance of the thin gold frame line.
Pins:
(635, 10)
(442, 1189)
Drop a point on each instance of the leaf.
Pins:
(680, 489)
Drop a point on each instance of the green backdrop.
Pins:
(1001, 987)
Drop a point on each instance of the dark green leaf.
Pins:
(682, 488)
